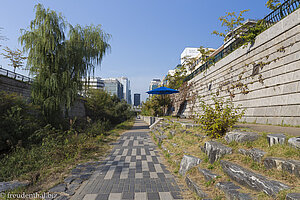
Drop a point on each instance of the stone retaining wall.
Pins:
(263, 78)
(14, 86)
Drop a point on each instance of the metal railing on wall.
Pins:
(275, 16)
(15, 76)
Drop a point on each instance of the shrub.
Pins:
(18, 120)
(101, 106)
(218, 117)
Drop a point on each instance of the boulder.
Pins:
(290, 166)
(215, 150)
(240, 136)
(208, 175)
(276, 139)
(194, 187)
(293, 196)
(252, 180)
(231, 191)
(294, 142)
(187, 163)
(255, 154)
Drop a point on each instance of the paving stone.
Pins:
(294, 142)
(59, 188)
(290, 166)
(5, 186)
(276, 139)
(132, 168)
(240, 136)
(194, 187)
(187, 163)
(252, 180)
(208, 175)
(255, 154)
(215, 150)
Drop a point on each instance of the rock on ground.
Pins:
(194, 187)
(215, 150)
(276, 139)
(290, 166)
(5, 186)
(208, 175)
(239, 136)
(255, 154)
(293, 196)
(187, 163)
(294, 142)
(252, 180)
(231, 191)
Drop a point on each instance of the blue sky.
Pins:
(147, 36)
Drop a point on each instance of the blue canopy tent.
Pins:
(162, 91)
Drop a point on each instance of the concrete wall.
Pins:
(148, 119)
(274, 92)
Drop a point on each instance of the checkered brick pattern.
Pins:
(133, 171)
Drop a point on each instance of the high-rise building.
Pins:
(113, 87)
(92, 83)
(154, 83)
(137, 99)
(126, 88)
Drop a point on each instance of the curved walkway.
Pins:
(133, 170)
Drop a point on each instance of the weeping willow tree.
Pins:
(59, 62)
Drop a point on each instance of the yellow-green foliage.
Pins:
(217, 118)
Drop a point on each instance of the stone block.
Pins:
(255, 154)
(293, 196)
(252, 180)
(276, 139)
(231, 191)
(194, 187)
(187, 163)
(294, 142)
(290, 166)
(208, 175)
(239, 136)
(215, 150)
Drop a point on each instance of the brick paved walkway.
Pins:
(133, 170)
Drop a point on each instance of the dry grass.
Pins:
(189, 144)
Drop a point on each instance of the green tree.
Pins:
(103, 107)
(273, 4)
(231, 21)
(15, 57)
(58, 62)
(156, 105)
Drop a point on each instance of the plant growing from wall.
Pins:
(273, 4)
(218, 117)
(59, 63)
(231, 21)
